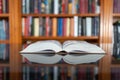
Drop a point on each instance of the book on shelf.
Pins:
(60, 6)
(47, 26)
(57, 73)
(71, 51)
(4, 29)
(116, 40)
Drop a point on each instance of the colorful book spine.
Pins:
(56, 6)
(36, 26)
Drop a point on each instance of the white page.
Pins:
(43, 45)
(82, 46)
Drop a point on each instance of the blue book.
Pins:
(60, 26)
(39, 6)
(2, 30)
(2, 50)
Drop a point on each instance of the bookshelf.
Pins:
(115, 63)
(16, 39)
(5, 20)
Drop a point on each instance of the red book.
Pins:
(63, 7)
(0, 6)
(93, 6)
(26, 27)
(64, 26)
(86, 6)
(82, 6)
(47, 25)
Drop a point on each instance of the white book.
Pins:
(36, 26)
(97, 7)
(55, 77)
(75, 26)
(75, 52)
(88, 26)
(27, 6)
(56, 6)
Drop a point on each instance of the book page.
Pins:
(81, 46)
(41, 46)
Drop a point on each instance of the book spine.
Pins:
(39, 6)
(60, 27)
(2, 30)
(1, 7)
(4, 6)
(36, 26)
(115, 2)
(47, 24)
(36, 6)
(97, 3)
(88, 26)
(68, 27)
(41, 26)
(70, 6)
(27, 6)
(79, 26)
(72, 27)
(23, 6)
(56, 5)
(54, 27)
(75, 26)
(94, 7)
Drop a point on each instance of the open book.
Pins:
(76, 52)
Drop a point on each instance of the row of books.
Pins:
(4, 73)
(3, 6)
(116, 40)
(116, 6)
(58, 73)
(75, 26)
(115, 73)
(60, 6)
(4, 29)
(4, 52)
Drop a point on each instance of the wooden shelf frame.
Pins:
(4, 41)
(4, 15)
(61, 38)
(61, 15)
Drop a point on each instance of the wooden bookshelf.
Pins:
(104, 39)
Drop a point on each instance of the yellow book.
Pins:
(54, 27)
(36, 26)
